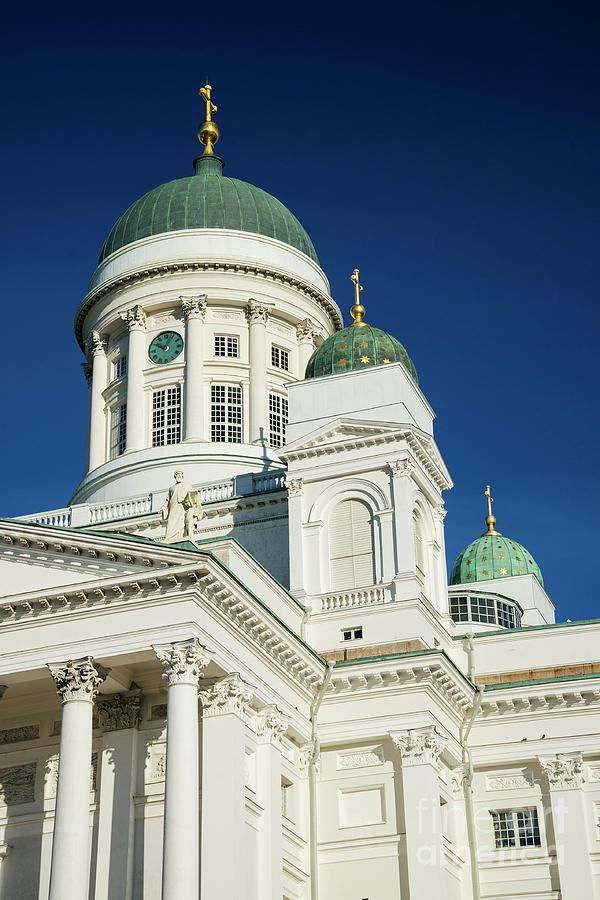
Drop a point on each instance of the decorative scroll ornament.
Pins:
(306, 331)
(295, 487)
(256, 312)
(271, 724)
(419, 746)
(229, 695)
(563, 771)
(401, 467)
(135, 318)
(120, 711)
(194, 307)
(78, 679)
(184, 661)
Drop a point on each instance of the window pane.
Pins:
(278, 419)
(166, 416)
(528, 827)
(504, 833)
(226, 413)
(118, 430)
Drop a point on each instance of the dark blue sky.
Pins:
(449, 150)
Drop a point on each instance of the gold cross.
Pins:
(210, 106)
(357, 286)
(490, 519)
(490, 499)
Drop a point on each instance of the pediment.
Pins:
(343, 431)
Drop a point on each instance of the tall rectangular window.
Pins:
(516, 828)
(278, 419)
(166, 416)
(120, 366)
(226, 345)
(226, 413)
(118, 430)
(280, 358)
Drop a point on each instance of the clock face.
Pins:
(165, 347)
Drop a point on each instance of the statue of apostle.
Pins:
(181, 509)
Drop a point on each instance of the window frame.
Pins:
(278, 418)
(232, 421)
(517, 828)
(118, 429)
(168, 409)
(280, 358)
(353, 632)
(227, 339)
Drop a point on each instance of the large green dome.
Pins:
(493, 556)
(358, 347)
(208, 199)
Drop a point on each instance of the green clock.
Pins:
(165, 347)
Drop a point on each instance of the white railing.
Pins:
(120, 509)
(356, 597)
(268, 481)
(222, 490)
(81, 514)
(58, 517)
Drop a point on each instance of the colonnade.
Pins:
(194, 426)
(194, 867)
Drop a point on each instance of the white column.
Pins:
(97, 427)
(565, 779)
(271, 725)
(296, 537)
(224, 789)
(77, 682)
(306, 334)
(406, 583)
(420, 750)
(136, 359)
(120, 715)
(183, 663)
(194, 311)
(257, 315)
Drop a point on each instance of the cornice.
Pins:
(551, 697)
(186, 267)
(204, 579)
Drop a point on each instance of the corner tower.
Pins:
(207, 300)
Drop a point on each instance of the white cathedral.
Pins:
(232, 667)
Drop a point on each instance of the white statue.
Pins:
(181, 509)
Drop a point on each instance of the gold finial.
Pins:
(208, 132)
(490, 520)
(357, 312)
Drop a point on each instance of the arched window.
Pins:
(351, 545)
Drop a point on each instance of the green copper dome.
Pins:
(358, 347)
(208, 199)
(493, 556)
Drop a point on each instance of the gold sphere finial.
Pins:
(490, 520)
(208, 132)
(357, 312)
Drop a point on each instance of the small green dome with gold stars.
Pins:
(355, 348)
(493, 556)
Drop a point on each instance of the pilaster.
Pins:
(97, 415)
(194, 312)
(135, 318)
(564, 776)
(406, 583)
(296, 538)
(271, 726)
(257, 315)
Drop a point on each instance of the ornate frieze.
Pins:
(120, 711)
(183, 661)
(17, 784)
(78, 679)
(229, 695)
(256, 312)
(306, 331)
(158, 711)
(515, 782)
(271, 724)
(156, 766)
(194, 307)
(135, 318)
(419, 746)
(360, 758)
(563, 771)
(23, 733)
(401, 468)
(295, 487)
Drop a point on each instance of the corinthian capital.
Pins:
(306, 331)
(440, 512)
(194, 307)
(96, 344)
(271, 724)
(256, 312)
(563, 771)
(401, 467)
(229, 695)
(295, 487)
(119, 711)
(78, 679)
(183, 661)
(135, 318)
(418, 746)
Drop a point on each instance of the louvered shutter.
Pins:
(351, 545)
